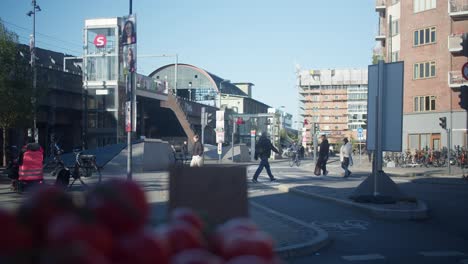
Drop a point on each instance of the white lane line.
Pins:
(441, 253)
(363, 257)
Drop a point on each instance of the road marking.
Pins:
(441, 253)
(363, 257)
(464, 261)
(346, 225)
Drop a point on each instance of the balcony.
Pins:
(454, 43)
(455, 79)
(458, 9)
(380, 31)
(380, 6)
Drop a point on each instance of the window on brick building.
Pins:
(424, 36)
(395, 29)
(424, 70)
(424, 103)
(396, 56)
(423, 5)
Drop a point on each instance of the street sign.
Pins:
(252, 133)
(359, 133)
(100, 41)
(220, 137)
(465, 71)
(220, 120)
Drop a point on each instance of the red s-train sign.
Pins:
(100, 41)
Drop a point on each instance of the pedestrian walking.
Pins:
(197, 153)
(263, 151)
(323, 157)
(345, 157)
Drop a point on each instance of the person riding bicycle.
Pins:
(294, 148)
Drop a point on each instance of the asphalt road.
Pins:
(358, 238)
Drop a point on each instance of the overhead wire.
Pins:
(40, 43)
(41, 34)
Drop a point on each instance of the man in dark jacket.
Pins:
(197, 153)
(263, 151)
(323, 154)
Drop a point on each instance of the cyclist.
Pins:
(294, 150)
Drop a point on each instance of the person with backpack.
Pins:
(197, 153)
(263, 151)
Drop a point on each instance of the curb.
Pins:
(302, 249)
(418, 214)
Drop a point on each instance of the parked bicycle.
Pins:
(84, 166)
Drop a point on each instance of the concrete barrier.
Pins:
(241, 153)
(157, 155)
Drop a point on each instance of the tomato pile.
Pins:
(110, 226)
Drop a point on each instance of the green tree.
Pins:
(15, 85)
(375, 58)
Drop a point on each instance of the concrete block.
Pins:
(157, 155)
(217, 193)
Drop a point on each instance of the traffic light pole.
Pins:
(232, 139)
(449, 143)
(203, 125)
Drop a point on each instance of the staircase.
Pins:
(175, 105)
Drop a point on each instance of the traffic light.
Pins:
(209, 118)
(463, 97)
(240, 121)
(443, 122)
(316, 128)
(306, 122)
(465, 44)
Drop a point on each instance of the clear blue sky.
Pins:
(257, 41)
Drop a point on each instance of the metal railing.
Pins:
(455, 78)
(380, 2)
(458, 6)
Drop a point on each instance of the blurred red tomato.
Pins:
(120, 205)
(238, 244)
(238, 225)
(233, 226)
(248, 259)
(14, 238)
(187, 215)
(196, 256)
(70, 231)
(140, 248)
(41, 207)
(180, 236)
(73, 255)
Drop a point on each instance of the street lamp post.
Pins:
(32, 47)
(219, 92)
(220, 89)
(190, 91)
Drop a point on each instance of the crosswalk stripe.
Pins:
(363, 257)
(441, 253)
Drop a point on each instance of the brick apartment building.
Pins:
(426, 35)
(336, 100)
